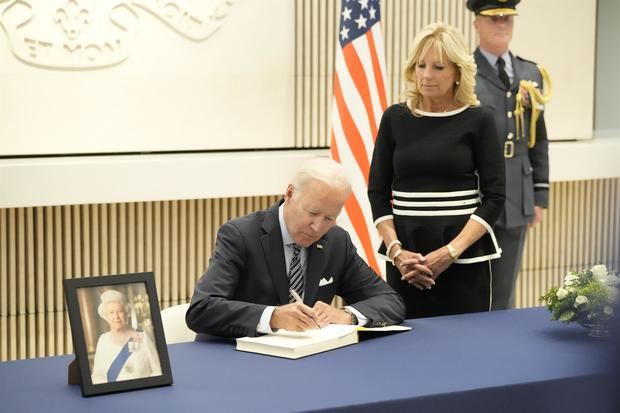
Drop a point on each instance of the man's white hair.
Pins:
(110, 296)
(323, 169)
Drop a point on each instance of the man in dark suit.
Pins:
(294, 245)
(526, 155)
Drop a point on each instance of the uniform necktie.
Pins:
(295, 274)
(503, 76)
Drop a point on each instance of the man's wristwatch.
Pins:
(454, 254)
(354, 320)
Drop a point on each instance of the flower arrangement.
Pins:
(587, 297)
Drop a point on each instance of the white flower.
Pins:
(569, 278)
(581, 299)
(562, 293)
(608, 310)
(600, 273)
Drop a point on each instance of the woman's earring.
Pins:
(457, 83)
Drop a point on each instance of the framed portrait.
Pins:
(117, 333)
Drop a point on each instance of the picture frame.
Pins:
(117, 332)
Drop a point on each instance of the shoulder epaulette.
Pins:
(526, 60)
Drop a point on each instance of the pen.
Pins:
(299, 300)
(296, 296)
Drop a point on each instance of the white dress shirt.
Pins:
(492, 59)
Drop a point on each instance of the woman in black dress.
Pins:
(436, 183)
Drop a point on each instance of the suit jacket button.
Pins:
(508, 94)
(509, 115)
(510, 135)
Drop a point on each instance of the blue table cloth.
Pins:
(504, 361)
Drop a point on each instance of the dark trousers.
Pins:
(506, 268)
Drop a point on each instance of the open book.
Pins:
(293, 345)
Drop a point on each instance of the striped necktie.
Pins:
(503, 76)
(295, 274)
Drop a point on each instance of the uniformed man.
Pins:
(521, 127)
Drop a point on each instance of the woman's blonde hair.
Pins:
(443, 39)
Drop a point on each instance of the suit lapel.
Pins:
(518, 69)
(316, 265)
(485, 70)
(273, 248)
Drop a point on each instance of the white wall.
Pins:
(134, 178)
(174, 90)
(561, 36)
(607, 120)
(232, 90)
(173, 84)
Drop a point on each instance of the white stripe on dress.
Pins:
(443, 212)
(489, 230)
(481, 258)
(490, 286)
(437, 203)
(448, 194)
(383, 218)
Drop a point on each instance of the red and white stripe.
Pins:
(359, 101)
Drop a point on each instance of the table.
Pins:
(506, 361)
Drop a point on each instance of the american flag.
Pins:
(359, 101)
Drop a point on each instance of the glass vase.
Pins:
(597, 329)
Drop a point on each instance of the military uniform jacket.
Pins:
(527, 169)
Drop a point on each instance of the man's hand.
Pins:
(294, 317)
(526, 97)
(327, 314)
(538, 216)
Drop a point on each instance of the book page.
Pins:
(294, 339)
(387, 328)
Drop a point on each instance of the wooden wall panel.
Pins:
(39, 247)
(581, 228)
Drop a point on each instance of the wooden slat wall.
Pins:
(316, 26)
(581, 228)
(39, 247)
(316, 31)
